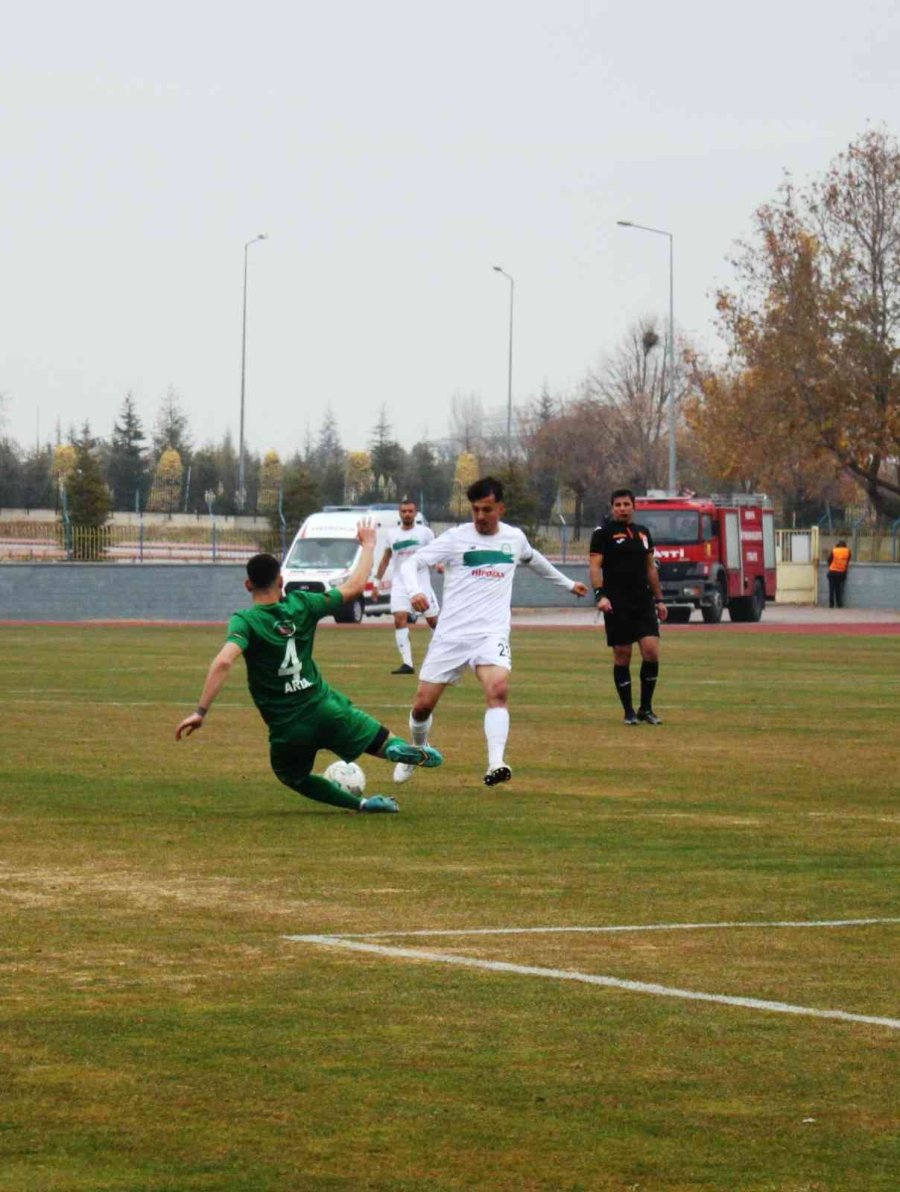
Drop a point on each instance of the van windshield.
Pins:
(670, 525)
(322, 554)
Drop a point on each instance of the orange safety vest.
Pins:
(840, 559)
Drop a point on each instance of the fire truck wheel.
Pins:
(749, 608)
(712, 613)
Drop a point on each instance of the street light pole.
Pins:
(626, 223)
(512, 289)
(241, 492)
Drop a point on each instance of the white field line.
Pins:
(374, 935)
(499, 966)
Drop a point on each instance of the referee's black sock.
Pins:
(649, 673)
(622, 680)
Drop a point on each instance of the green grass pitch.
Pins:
(161, 1032)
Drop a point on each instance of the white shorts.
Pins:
(400, 602)
(447, 658)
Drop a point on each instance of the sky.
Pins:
(393, 154)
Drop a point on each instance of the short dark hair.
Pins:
(262, 571)
(622, 492)
(487, 486)
(408, 501)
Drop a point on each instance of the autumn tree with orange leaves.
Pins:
(814, 330)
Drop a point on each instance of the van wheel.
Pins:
(679, 614)
(350, 613)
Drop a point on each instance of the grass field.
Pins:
(162, 1033)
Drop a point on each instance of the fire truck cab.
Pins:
(713, 553)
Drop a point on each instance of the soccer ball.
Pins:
(348, 775)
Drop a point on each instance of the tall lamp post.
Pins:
(512, 290)
(242, 492)
(626, 223)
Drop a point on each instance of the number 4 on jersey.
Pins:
(291, 667)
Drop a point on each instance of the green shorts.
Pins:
(334, 724)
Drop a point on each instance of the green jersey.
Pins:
(277, 641)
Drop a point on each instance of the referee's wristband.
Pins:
(200, 711)
(658, 601)
(598, 595)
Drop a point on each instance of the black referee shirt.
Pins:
(624, 549)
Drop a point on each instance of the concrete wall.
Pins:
(110, 592)
(175, 592)
(211, 592)
(869, 585)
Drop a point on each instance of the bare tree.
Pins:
(467, 423)
(633, 384)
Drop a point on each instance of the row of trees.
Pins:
(565, 453)
(804, 404)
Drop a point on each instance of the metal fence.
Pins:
(58, 541)
(209, 542)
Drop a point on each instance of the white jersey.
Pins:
(404, 544)
(478, 577)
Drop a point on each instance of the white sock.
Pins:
(420, 729)
(496, 730)
(401, 637)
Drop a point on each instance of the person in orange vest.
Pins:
(838, 565)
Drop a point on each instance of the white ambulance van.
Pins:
(325, 550)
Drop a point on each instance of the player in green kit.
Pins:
(303, 713)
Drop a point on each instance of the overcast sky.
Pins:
(393, 153)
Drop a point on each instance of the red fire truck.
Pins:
(713, 553)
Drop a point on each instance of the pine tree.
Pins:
(89, 500)
(126, 468)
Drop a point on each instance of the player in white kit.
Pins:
(479, 560)
(403, 542)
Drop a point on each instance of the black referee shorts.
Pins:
(629, 623)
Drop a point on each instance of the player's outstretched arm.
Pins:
(216, 677)
(355, 583)
(545, 569)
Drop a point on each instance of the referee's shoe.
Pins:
(647, 716)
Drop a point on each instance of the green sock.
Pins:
(396, 749)
(323, 791)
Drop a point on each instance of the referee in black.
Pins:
(627, 592)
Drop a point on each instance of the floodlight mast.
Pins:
(512, 288)
(242, 492)
(626, 223)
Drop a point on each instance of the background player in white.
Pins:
(403, 542)
(480, 560)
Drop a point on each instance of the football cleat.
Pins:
(631, 718)
(403, 772)
(497, 775)
(648, 717)
(376, 803)
(413, 755)
(405, 669)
